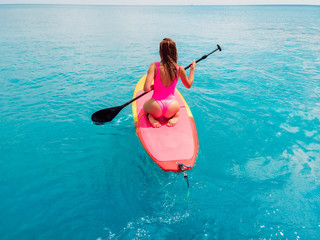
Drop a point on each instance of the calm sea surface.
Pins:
(256, 106)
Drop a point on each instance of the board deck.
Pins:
(167, 146)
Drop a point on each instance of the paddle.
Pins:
(107, 114)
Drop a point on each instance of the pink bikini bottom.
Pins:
(165, 103)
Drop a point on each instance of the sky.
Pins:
(164, 2)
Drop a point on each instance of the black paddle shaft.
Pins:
(205, 56)
(107, 114)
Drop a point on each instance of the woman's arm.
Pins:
(187, 81)
(148, 86)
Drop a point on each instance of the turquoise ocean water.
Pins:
(256, 107)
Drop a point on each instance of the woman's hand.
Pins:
(151, 88)
(193, 65)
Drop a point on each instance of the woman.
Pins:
(165, 75)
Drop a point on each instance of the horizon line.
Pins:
(99, 4)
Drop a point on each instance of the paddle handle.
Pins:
(203, 57)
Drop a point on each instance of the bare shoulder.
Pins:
(181, 69)
(152, 67)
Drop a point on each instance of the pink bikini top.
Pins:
(161, 92)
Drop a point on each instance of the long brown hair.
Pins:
(169, 55)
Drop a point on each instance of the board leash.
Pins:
(183, 169)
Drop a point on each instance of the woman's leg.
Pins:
(154, 110)
(172, 113)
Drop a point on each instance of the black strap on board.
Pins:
(183, 170)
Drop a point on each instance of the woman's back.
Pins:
(164, 87)
(165, 77)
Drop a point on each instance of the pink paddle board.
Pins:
(167, 146)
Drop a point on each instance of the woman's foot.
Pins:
(154, 122)
(173, 121)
